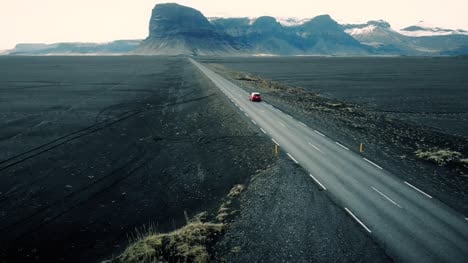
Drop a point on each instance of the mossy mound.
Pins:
(188, 244)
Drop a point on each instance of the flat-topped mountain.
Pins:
(176, 29)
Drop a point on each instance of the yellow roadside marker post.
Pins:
(276, 150)
(361, 148)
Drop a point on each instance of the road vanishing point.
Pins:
(407, 222)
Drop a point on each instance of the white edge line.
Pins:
(385, 196)
(417, 189)
(253, 122)
(275, 141)
(371, 162)
(357, 219)
(292, 158)
(319, 133)
(263, 130)
(317, 181)
(303, 124)
(315, 147)
(291, 117)
(342, 146)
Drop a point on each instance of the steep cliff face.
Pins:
(176, 29)
(174, 20)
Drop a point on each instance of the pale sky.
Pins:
(49, 21)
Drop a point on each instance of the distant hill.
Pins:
(112, 48)
(175, 29)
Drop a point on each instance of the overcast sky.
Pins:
(48, 21)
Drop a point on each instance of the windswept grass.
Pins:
(439, 156)
(191, 243)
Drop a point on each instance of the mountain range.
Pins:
(175, 29)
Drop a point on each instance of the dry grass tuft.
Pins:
(236, 190)
(439, 156)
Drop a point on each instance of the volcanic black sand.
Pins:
(403, 87)
(95, 148)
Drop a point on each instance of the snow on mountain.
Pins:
(423, 29)
(361, 31)
(366, 28)
(292, 21)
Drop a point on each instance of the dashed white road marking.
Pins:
(237, 105)
(303, 124)
(317, 181)
(466, 218)
(357, 219)
(371, 162)
(263, 130)
(417, 189)
(247, 115)
(386, 197)
(292, 158)
(275, 141)
(253, 122)
(315, 147)
(342, 146)
(282, 124)
(319, 133)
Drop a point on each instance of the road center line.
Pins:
(292, 158)
(263, 130)
(386, 197)
(357, 219)
(417, 189)
(371, 162)
(315, 147)
(282, 124)
(253, 122)
(342, 146)
(319, 133)
(275, 141)
(317, 181)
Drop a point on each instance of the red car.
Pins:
(255, 96)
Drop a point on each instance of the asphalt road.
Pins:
(407, 222)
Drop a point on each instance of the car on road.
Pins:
(255, 96)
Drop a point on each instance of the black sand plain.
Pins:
(431, 91)
(95, 148)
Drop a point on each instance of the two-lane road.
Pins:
(409, 223)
